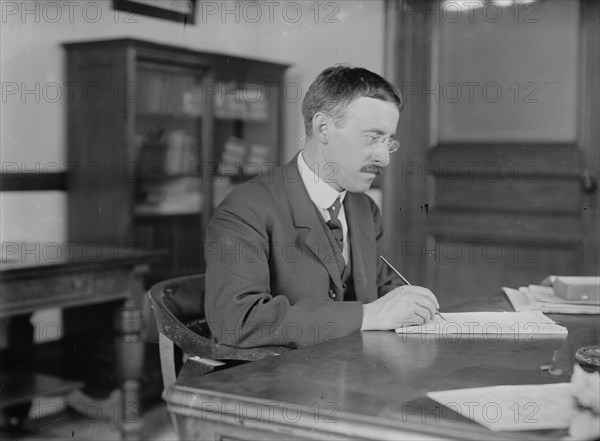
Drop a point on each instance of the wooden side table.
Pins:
(100, 291)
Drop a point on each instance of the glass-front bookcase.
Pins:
(169, 132)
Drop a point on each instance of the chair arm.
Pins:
(223, 352)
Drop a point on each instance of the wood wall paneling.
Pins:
(488, 192)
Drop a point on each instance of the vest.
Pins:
(348, 293)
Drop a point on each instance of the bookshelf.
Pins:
(157, 136)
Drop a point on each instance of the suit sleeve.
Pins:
(240, 308)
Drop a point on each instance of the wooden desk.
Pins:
(99, 290)
(370, 385)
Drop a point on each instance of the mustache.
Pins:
(372, 168)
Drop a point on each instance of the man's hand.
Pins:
(405, 305)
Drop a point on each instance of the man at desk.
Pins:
(292, 257)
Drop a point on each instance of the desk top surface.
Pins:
(380, 379)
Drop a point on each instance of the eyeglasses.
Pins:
(376, 141)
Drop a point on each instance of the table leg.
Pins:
(129, 357)
(105, 349)
(126, 367)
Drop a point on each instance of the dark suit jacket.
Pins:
(272, 277)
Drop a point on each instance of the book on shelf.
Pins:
(247, 102)
(175, 204)
(240, 158)
(173, 154)
(233, 157)
(193, 101)
(181, 194)
(161, 92)
(169, 180)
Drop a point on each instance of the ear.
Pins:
(321, 124)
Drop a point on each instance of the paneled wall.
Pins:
(497, 182)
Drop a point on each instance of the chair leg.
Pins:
(167, 359)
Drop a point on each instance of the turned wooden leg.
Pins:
(105, 348)
(129, 357)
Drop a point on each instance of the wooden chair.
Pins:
(178, 306)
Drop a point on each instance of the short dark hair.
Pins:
(336, 87)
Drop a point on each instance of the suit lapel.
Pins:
(305, 217)
(361, 244)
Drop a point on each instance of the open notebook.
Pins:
(489, 324)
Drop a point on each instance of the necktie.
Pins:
(334, 223)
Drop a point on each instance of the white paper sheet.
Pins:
(489, 325)
(524, 407)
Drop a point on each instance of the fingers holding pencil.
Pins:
(406, 282)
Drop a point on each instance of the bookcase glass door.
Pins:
(168, 134)
(245, 138)
(169, 188)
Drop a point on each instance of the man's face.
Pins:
(352, 163)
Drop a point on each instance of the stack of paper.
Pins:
(488, 324)
(543, 298)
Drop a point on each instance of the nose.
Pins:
(381, 155)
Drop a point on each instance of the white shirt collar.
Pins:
(320, 192)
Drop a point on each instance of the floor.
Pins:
(68, 425)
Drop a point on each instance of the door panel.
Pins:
(496, 185)
(505, 74)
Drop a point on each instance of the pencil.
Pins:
(406, 282)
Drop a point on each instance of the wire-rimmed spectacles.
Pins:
(375, 141)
